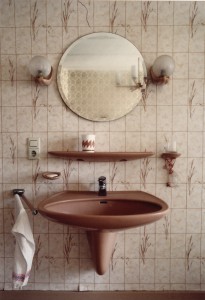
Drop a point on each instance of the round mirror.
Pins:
(100, 76)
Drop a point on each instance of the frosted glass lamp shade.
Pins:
(41, 69)
(162, 69)
(39, 66)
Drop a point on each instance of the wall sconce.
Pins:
(162, 69)
(41, 69)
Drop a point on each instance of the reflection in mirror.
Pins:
(101, 76)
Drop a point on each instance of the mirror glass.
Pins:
(100, 76)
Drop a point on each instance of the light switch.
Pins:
(33, 143)
(33, 148)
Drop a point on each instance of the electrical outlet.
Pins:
(33, 148)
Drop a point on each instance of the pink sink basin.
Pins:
(103, 216)
(116, 211)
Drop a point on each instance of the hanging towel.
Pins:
(24, 248)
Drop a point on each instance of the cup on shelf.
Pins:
(171, 147)
(88, 142)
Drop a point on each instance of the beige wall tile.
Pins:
(22, 14)
(177, 271)
(101, 13)
(197, 61)
(162, 270)
(181, 13)
(178, 244)
(149, 39)
(7, 14)
(8, 41)
(181, 38)
(165, 13)
(164, 118)
(180, 118)
(131, 271)
(8, 94)
(181, 65)
(85, 13)
(54, 40)
(23, 40)
(165, 38)
(147, 271)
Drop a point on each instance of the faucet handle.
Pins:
(102, 179)
(102, 186)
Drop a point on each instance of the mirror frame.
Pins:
(124, 91)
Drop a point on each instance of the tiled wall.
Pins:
(169, 254)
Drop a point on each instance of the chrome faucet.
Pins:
(102, 186)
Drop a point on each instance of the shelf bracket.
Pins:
(170, 158)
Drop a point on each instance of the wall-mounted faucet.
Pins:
(102, 186)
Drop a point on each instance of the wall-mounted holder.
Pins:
(20, 192)
(170, 158)
(51, 175)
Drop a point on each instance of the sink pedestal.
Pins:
(102, 244)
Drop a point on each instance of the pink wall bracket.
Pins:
(170, 158)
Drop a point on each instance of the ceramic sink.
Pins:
(103, 216)
(116, 211)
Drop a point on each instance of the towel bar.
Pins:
(20, 192)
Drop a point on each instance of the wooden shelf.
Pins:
(100, 156)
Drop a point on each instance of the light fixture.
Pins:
(162, 69)
(41, 69)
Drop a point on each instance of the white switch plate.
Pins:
(33, 148)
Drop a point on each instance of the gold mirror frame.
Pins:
(100, 76)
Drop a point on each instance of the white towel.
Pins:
(24, 248)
